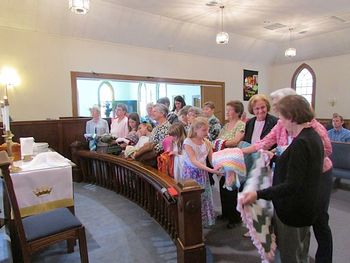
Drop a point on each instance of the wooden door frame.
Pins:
(222, 107)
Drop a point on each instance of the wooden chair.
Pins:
(39, 231)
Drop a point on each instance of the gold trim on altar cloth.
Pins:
(37, 209)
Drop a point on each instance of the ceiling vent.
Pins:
(339, 19)
(275, 26)
(212, 3)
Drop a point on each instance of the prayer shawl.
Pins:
(231, 160)
(258, 216)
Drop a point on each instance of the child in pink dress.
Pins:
(197, 149)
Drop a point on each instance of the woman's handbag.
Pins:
(147, 155)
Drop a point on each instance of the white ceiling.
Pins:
(321, 28)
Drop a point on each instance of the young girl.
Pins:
(197, 149)
(178, 134)
(143, 133)
(131, 138)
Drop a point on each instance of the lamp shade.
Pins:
(290, 52)
(222, 38)
(80, 7)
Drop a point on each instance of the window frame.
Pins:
(75, 75)
(294, 80)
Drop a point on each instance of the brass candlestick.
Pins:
(9, 143)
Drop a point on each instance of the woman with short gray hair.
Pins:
(159, 113)
(279, 94)
(193, 113)
(96, 125)
(161, 108)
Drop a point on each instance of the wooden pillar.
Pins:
(75, 147)
(190, 245)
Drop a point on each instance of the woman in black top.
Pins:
(296, 182)
(261, 124)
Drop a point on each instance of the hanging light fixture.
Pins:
(291, 51)
(80, 7)
(222, 37)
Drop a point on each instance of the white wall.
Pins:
(44, 63)
(332, 77)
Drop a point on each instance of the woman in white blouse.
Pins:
(96, 125)
(119, 126)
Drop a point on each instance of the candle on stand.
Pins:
(6, 116)
(2, 113)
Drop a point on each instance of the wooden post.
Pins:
(190, 246)
(75, 147)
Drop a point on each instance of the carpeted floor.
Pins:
(119, 231)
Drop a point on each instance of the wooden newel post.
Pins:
(190, 246)
(75, 147)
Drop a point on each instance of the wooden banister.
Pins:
(180, 216)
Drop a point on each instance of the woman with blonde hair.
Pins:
(197, 149)
(262, 122)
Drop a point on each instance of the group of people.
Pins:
(296, 142)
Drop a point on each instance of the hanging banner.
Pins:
(250, 84)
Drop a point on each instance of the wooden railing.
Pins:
(180, 216)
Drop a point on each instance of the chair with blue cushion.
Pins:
(39, 231)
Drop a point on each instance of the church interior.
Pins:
(59, 60)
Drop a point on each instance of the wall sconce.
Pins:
(9, 78)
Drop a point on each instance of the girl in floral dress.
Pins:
(197, 149)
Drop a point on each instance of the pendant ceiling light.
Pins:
(80, 7)
(291, 51)
(222, 37)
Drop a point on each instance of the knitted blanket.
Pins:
(231, 160)
(258, 216)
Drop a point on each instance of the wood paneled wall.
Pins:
(328, 123)
(59, 134)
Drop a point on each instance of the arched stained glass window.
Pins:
(105, 98)
(304, 83)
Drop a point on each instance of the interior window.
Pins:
(135, 95)
(107, 90)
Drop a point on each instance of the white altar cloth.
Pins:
(44, 187)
